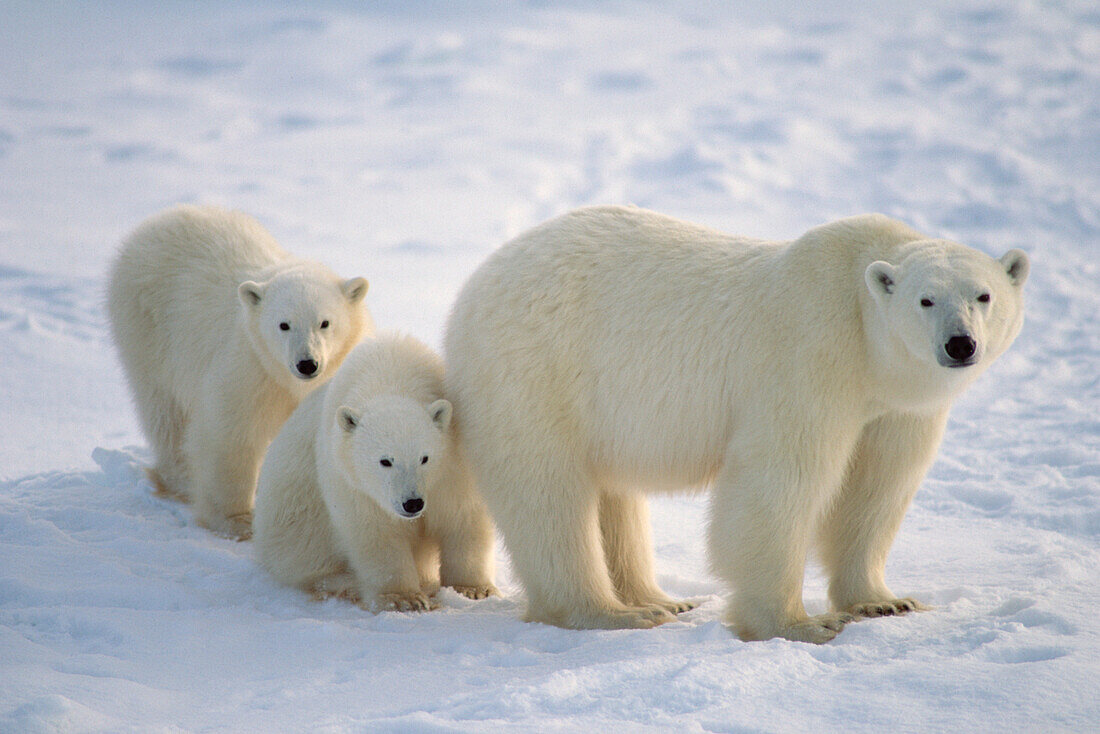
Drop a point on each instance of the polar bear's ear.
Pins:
(250, 293)
(880, 278)
(1017, 265)
(440, 413)
(355, 289)
(347, 419)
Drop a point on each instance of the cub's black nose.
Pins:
(960, 348)
(307, 367)
(413, 506)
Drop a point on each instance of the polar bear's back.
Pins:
(577, 326)
(191, 256)
(172, 292)
(646, 340)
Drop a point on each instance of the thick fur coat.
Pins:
(613, 351)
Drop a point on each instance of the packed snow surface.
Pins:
(404, 142)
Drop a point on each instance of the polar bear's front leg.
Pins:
(890, 461)
(628, 548)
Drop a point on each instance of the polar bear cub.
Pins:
(614, 350)
(221, 333)
(364, 493)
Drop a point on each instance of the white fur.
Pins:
(615, 350)
(332, 519)
(196, 299)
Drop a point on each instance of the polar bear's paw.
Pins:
(819, 629)
(649, 595)
(239, 526)
(165, 489)
(642, 617)
(404, 601)
(234, 527)
(676, 606)
(657, 598)
(477, 591)
(888, 608)
(337, 586)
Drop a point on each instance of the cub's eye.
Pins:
(423, 459)
(983, 298)
(324, 324)
(386, 463)
(284, 326)
(926, 303)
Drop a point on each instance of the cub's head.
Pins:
(391, 448)
(953, 307)
(303, 322)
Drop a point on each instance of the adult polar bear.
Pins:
(807, 382)
(221, 333)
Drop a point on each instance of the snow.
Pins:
(404, 142)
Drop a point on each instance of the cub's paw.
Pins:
(677, 606)
(478, 591)
(162, 488)
(240, 526)
(658, 599)
(819, 629)
(234, 527)
(888, 608)
(404, 601)
(338, 586)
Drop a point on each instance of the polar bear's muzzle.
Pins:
(410, 507)
(959, 351)
(307, 369)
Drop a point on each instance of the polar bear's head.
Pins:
(952, 307)
(303, 321)
(390, 448)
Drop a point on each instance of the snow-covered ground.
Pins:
(404, 142)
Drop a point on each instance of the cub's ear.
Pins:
(1017, 265)
(440, 413)
(347, 419)
(250, 293)
(355, 289)
(880, 278)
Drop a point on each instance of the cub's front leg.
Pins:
(380, 554)
(226, 440)
(225, 469)
(458, 519)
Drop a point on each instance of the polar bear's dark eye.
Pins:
(926, 302)
(324, 324)
(284, 326)
(423, 459)
(386, 462)
(984, 298)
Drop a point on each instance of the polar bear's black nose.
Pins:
(413, 506)
(307, 367)
(960, 348)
